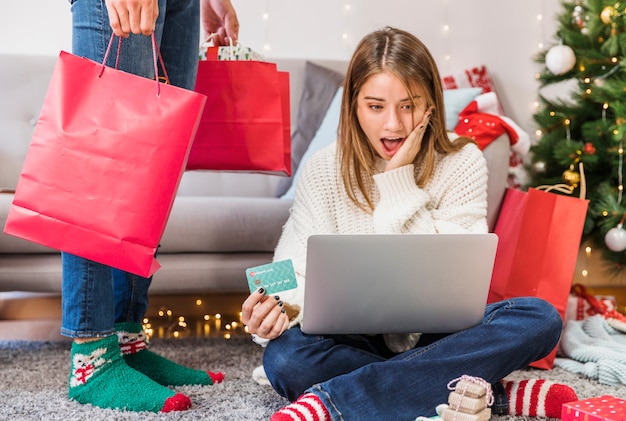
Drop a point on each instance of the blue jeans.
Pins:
(95, 296)
(357, 378)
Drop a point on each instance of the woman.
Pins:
(392, 170)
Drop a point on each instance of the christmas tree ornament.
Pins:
(615, 238)
(607, 14)
(571, 177)
(560, 59)
(539, 167)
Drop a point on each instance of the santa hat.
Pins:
(482, 121)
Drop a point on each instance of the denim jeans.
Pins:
(95, 296)
(357, 378)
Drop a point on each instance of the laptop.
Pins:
(396, 283)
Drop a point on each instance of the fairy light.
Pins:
(265, 16)
(540, 43)
(620, 185)
(445, 28)
(347, 18)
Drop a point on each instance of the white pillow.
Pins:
(455, 100)
(325, 135)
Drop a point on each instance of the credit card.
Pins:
(274, 277)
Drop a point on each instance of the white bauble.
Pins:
(615, 239)
(560, 59)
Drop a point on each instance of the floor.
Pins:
(28, 316)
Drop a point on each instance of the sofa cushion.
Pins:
(320, 85)
(10, 244)
(455, 100)
(224, 224)
(24, 81)
(197, 224)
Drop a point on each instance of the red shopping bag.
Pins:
(539, 235)
(246, 122)
(104, 164)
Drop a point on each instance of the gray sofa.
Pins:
(220, 224)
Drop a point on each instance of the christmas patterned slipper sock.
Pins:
(307, 407)
(537, 398)
(99, 376)
(134, 345)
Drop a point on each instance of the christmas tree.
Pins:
(589, 125)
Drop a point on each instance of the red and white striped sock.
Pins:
(307, 407)
(537, 398)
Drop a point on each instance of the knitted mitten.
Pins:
(99, 376)
(307, 407)
(134, 345)
(537, 398)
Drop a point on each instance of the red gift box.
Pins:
(595, 409)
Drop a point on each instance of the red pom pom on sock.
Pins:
(306, 407)
(216, 377)
(178, 402)
(537, 398)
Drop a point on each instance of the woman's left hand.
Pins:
(412, 144)
(264, 316)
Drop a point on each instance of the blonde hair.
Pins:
(405, 56)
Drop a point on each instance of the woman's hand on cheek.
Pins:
(264, 315)
(411, 146)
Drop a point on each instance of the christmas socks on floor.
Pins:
(134, 346)
(99, 376)
(537, 398)
(307, 407)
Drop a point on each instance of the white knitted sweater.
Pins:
(454, 201)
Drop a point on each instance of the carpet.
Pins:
(33, 379)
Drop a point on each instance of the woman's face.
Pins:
(386, 112)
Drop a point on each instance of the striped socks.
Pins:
(307, 407)
(532, 398)
(537, 398)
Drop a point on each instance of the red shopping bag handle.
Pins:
(155, 51)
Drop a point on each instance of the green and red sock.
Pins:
(100, 377)
(307, 407)
(134, 345)
(537, 398)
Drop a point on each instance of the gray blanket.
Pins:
(591, 347)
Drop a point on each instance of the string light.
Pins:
(446, 33)
(266, 18)
(345, 35)
(620, 168)
(540, 19)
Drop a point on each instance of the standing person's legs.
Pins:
(99, 374)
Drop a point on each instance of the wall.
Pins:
(502, 34)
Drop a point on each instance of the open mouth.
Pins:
(391, 144)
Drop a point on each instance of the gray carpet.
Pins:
(33, 379)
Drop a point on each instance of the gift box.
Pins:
(232, 52)
(595, 409)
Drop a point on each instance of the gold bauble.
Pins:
(572, 178)
(607, 13)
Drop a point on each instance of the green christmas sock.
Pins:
(99, 376)
(134, 345)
